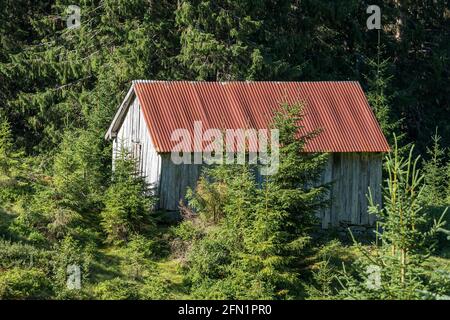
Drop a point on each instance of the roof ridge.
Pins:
(242, 81)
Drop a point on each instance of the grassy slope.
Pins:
(107, 266)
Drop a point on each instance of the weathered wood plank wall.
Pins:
(134, 137)
(351, 175)
(175, 179)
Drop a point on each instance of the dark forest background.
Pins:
(54, 79)
(60, 203)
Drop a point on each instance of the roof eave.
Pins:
(120, 115)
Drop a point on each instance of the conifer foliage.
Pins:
(436, 174)
(128, 203)
(260, 242)
(397, 268)
(10, 163)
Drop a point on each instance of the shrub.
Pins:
(29, 224)
(137, 257)
(330, 256)
(187, 231)
(54, 216)
(154, 288)
(128, 203)
(209, 196)
(116, 289)
(22, 256)
(24, 284)
(13, 167)
(184, 235)
(70, 252)
(435, 180)
(208, 259)
(78, 175)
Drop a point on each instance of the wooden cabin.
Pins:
(152, 110)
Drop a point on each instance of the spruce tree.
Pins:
(129, 203)
(13, 167)
(447, 172)
(434, 174)
(397, 269)
(72, 78)
(378, 97)
(286, 212)
(64, 85)
(264, 230)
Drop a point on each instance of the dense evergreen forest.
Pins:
(61, 205)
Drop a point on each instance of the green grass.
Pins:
(107, 266)
(170, 272)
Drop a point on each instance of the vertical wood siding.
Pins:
(175, 179)
(134, 137)
(351, 175)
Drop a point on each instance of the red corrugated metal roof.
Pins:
(339, 109)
